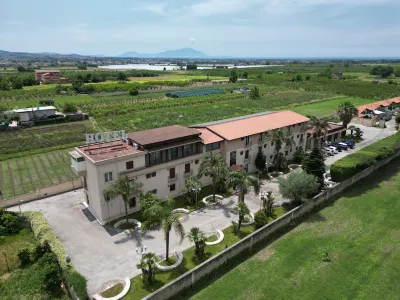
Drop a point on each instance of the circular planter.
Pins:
(179, 259)
(220, 238)
(251, 217)
(125, 290)
(294, 166)
(182, 211)
(207, 200)
(137, 223)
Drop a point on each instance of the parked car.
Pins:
(337, 146)
(334, 149)
(328, 151)
(350, 143)
(343, 145)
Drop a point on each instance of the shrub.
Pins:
(260, 219)
(24, 255)
(41, 250)
(397, 119)
(364, 158)
(43, 232)
(10, 222)
(49, 271)
(69, 108)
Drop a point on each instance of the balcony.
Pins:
(172, 179)
(188, 174)
(248, 145)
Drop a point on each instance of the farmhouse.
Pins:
(49, 76)
(163, 158)
(369, 114)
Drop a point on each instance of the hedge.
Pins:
(362, 159)
(43, 232)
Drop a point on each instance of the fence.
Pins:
(190, 278)
(43, 192)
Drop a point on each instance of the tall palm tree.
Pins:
(214, 166)
(347, 111)
(197, 237)
(243, 181)
(241, 210)
(163, 213)
(321, 126)
(149, 267)
(278, 137)
(193, 186)
(125, 188)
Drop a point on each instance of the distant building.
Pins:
(369, 114)
(49, 76)
(333, 134)
(29, 114)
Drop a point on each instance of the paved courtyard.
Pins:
(102, 257)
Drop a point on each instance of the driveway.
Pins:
(102, 257)
(371, 135)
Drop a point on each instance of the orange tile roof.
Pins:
(375, 105)
(208, 137)
(236, 128)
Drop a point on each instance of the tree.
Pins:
(383, 71)
(320, 127)
(163, 213)
(299, 78)
(21, 69)
(254, 93)
(245, 75)
(260, 161)
(233, 78)
(298, 185)
(126, 188)
(16, 83)
(308, 77)
(313, 164)
(197, 237)
(134, 92)
(260, 219)
(48, 269)
(149, 268)
(277, 138)
(69, 108)
(82, 66)
(77, 85)
(241, 210)
(267, 202)
(214, 166)
(121, 76)
(243, 181)
(347, 111)
(298, 155)
(193, 187)
(191, 67)
(397, 73)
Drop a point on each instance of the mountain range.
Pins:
(178, 53)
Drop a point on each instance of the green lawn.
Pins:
(326, 108)
(360, 233)
(10, 245)
(137, 291)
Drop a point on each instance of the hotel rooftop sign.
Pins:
(102, 137)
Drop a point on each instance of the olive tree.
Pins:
(297, 186)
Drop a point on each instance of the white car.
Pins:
(329, 151)
(334, 150)
(344, 145)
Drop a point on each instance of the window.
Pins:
(270, 157)
(259, 149)
(129, 165)
(272, 143)
(108, 177)
(291, 149)
(298, 135)
(286, 153)
(196, 161)
(148, 176)
(153, 191)
(208, 147)
(213, 146)
(153, 174)
(187, 168)
(265, 145)
(241, 152)
(247, 140)
(132, 202)
(246, 154)
(173, 153)
(155, 157)
(187, 150)
(172, 187)
(172, 173)
(260, 138)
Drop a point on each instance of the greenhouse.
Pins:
(192, 93)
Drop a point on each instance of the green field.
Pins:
(27, 174)
(360, 233)
(326, 108)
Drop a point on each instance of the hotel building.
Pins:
(163, 158)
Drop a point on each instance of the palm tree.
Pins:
(243, 181)
(163, 213)
(197, 237)
(149, 267)
(241, 210)
(125, 188)
(193, 186)
(347, 111)
(320, 126)
(278, 137)
(214, 166)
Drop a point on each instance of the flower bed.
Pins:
(179, 259)
(208, 200)
(137, 224)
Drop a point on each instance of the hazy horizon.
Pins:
(237, 28)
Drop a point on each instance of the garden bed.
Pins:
(131, 224)
(208, 200)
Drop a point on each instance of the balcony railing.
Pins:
(173, 179)
(188, 174)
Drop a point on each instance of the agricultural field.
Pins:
(326, 108)
(27, 174)
(349, 250)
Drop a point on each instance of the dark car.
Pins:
(350, 143)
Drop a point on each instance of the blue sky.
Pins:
(246, 28)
